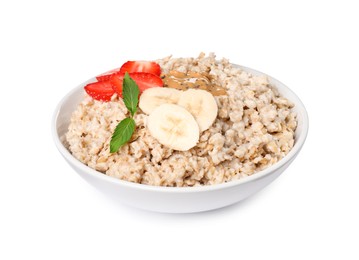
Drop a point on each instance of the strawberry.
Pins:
(100, 90)
(116, 83)
(141, 66)
(107, 75)
(144, 81)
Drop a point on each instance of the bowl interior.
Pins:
(69, 103)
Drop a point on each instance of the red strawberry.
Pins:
(141, 66)
(107, 75)
(100, 90)
(116, 83)
(144, 81)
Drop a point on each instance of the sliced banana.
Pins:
(201, 104)
(174, 127)
(154, 97)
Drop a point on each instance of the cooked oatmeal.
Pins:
(254, 129)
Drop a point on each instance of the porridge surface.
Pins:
(254, 129)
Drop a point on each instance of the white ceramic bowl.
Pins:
(177, 199)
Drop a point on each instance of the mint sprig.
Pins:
(130, 92)
(122, 134)
(126, 127)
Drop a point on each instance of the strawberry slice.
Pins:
(141, 66)
(100, 90)
(116, 83)
(144, 81)
(107, 75)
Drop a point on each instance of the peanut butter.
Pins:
(191, 79)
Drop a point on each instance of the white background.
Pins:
(49, 47)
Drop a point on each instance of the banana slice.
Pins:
(201, 104)
(174, 127)
(154, 97)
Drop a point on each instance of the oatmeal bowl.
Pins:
(180, 135)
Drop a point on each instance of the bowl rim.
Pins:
(256, 176)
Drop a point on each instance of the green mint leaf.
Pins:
(122, 134)
(130, 93)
